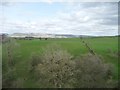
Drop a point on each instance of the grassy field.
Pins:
(105, 47)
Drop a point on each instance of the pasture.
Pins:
(105, 47)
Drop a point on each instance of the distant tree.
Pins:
(40, 38)
(46, 38)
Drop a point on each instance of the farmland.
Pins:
(105, 47)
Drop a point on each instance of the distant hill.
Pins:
(44, 35)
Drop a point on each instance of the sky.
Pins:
(78, 18)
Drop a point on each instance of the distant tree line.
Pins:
(29, 38)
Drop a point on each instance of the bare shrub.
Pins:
(18, 83)
(56, 67)
(9, 72)
(35, 59)
(8, 78)
(91, 72)
(10, 49)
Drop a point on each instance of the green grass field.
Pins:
(105, 47)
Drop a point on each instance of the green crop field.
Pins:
(106, 47)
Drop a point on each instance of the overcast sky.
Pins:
(81, 18)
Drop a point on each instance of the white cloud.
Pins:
(49, 1)
(82, 19)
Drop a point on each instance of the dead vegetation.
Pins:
(92, 72)
(55, 68)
